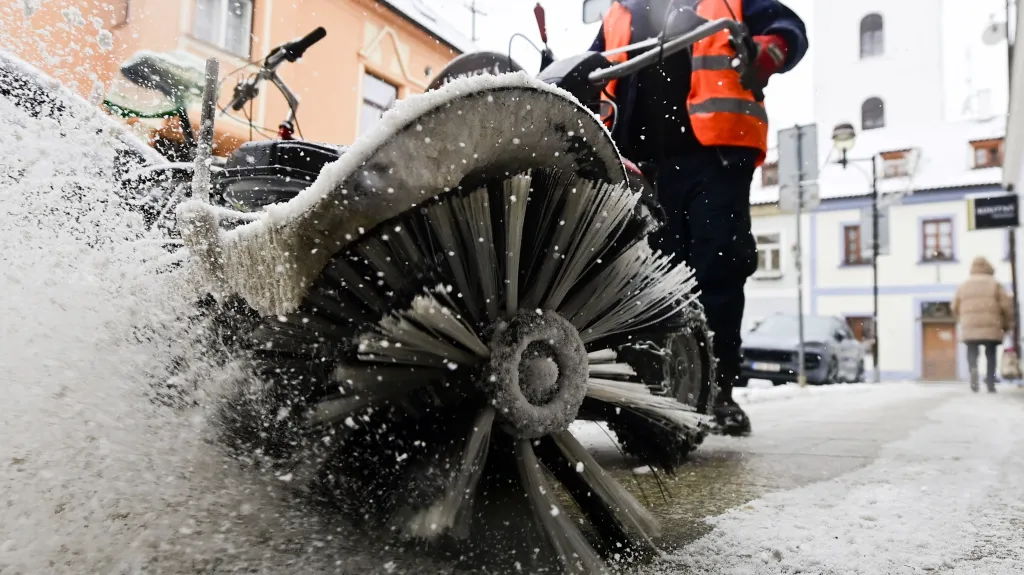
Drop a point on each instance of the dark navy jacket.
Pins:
(642, 130)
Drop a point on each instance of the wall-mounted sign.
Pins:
(867, 225)
(993, 212)
(798, 168)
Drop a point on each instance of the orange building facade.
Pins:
(374, 52)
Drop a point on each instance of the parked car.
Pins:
(831, 352)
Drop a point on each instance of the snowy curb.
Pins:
(754, 395)
(945, 499)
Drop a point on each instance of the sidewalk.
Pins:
(937, 489)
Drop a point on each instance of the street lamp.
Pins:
(843, 137)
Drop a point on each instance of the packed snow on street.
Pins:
(95, 477)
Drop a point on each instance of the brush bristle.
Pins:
(396, 333)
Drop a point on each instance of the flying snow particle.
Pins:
(97, 93)
(579, 467)
(554, 511)
(286, 477)
(73, 17)
(30, 7)
(105, 40)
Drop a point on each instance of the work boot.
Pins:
(991, 386)
(731, 418)
(974, 380)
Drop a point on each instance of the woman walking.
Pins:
(985, 313)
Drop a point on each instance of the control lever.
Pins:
(547, 57)
(746, 54)
(244, 92)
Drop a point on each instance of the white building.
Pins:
(878, 66)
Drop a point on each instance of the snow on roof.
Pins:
(420, 14)
(941, 158)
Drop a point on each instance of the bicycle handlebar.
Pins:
(295, 49)
(290, 52)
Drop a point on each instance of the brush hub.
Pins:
(536, 376)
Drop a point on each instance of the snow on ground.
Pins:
(944, 500)
(757, 393)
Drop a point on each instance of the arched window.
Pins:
(872, 114)
(871, 37)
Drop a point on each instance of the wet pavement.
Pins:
(201, 514)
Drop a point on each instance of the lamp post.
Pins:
(843, 137)
(1010, 42)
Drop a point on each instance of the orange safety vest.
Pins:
(722, 112)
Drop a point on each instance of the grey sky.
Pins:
(789, 96)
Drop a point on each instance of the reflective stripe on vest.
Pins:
(722, 112)
(618, 30)
(712, 63)
(730, 106)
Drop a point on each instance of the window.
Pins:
(937, 240)
(769, 254)
(861, 327)
(378, 96)
(118, 12)
(895, 164)
(936, 310)
(852, 254)
(871, 38)
(227, 24)
(872, 114)
(988, 153)
(769, 175)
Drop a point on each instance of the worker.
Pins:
(705, 132)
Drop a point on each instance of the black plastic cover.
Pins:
(475, 64)
(261, 173)
(573, 75)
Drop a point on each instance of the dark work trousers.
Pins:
(706, 197)
(990, 358)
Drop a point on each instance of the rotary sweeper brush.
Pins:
(421, 317)
(429, 317)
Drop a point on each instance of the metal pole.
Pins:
(1012, 189)
(472, 9)
(874, 265)
(801, 368)
(204, 143)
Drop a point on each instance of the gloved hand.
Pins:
(771, 56)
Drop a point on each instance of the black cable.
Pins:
(249, 117)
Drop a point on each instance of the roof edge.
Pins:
(402, 14)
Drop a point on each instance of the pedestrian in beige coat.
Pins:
(985, 313)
